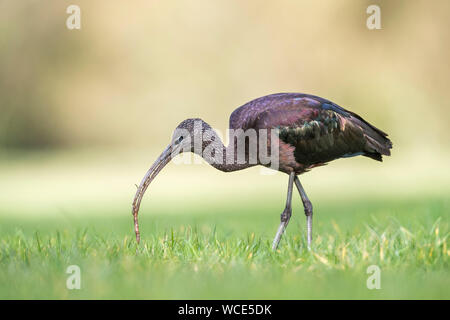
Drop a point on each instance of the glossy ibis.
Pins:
(308, 131)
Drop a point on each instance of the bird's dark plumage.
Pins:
(312, 130)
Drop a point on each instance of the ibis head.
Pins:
(182, 141)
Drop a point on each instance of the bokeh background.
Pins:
(84, 113)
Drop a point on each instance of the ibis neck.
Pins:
(219, 156)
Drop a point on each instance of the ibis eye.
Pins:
(179, 140)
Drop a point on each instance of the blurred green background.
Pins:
(83, 113)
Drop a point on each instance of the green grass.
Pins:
(224, 252)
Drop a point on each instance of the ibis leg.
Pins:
(286, 215)
(308, 210)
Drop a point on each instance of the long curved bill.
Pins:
(159, 164)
